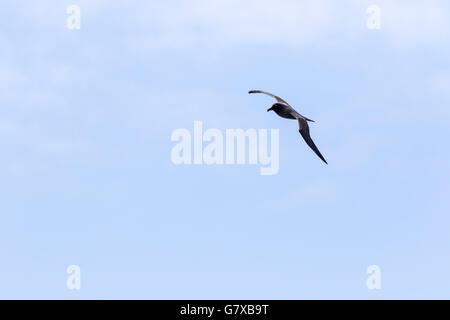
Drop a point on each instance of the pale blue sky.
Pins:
(86, 176)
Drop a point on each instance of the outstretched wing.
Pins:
(279, 100)
(303, 128)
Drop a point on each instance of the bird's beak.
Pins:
(269, 109)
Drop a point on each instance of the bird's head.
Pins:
(271, 108)
(274, 107)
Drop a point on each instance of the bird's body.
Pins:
(284, 110)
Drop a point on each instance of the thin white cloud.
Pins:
(289, 22)
(180, 24)
(409, 23)
(228, 23)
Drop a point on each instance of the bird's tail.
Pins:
(309, 119)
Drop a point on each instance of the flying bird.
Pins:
(284, 110)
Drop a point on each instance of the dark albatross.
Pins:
(284, 110)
